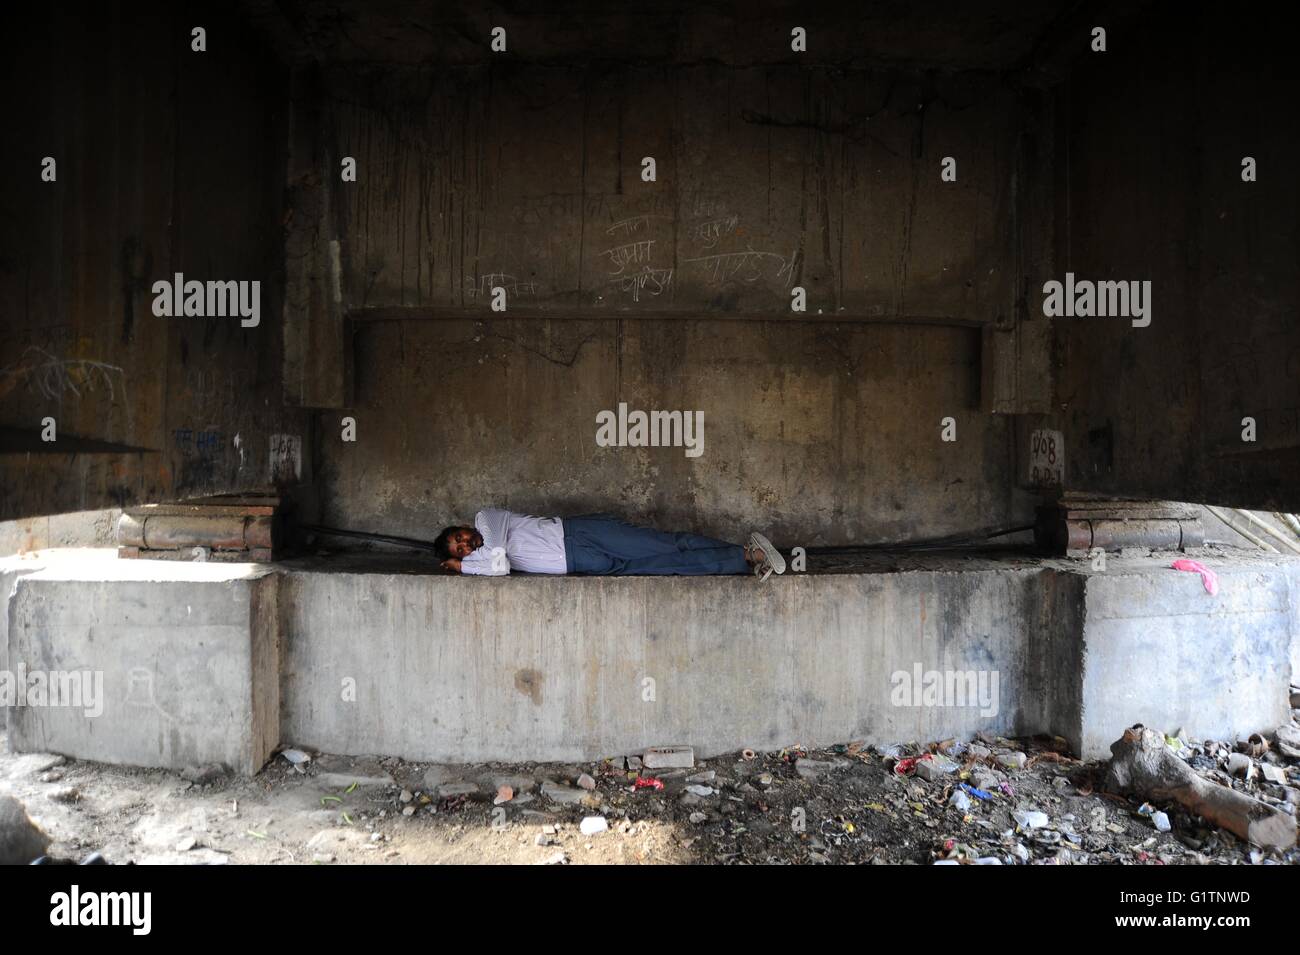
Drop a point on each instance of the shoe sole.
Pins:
(773, 557)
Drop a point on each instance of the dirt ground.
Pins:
(845, 805)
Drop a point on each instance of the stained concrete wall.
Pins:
(816, 433)
(78, 529)
(557, 669)
(1159, 650)
(675, 294)
(774, 169)
(1151, 137)
(543, 668)
(168, 160)
(530, 178)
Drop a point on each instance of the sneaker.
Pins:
(772, 561)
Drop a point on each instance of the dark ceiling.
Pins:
(945, 35)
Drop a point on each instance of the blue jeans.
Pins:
(604, 544)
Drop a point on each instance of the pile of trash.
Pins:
(987, 801)
(1164, 797)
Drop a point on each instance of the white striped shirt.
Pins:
(513, 541)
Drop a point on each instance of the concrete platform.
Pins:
(364, 655)
(177, 664)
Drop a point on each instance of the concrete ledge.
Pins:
(205, 662)
(184, 655)
(466, 670)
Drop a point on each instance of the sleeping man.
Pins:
(501, 541)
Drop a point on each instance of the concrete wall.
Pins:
(1151, 137)
(555, 669)
(1157, 649)
(464, 670)
(78, 529)
(817, 433)
(774, 169)
(528, 178)
(168, 160)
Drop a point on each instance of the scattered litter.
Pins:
(1030, 819)
(297, 758)
(1015, 760)
(918, 805)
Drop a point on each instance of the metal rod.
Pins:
(1270, 530)
(366, 535)
(1257, 541)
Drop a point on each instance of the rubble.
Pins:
(941, 802)
(669, 757)
(935, 768)
(21, 840)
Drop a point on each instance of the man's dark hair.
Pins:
(442, 543)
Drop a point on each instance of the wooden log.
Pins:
(1142, 765)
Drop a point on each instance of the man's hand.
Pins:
(451, 565)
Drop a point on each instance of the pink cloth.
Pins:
(1208, 577)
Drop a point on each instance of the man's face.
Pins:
(464, 541)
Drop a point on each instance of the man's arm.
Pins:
(486, 562)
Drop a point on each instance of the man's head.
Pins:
(457, 541)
